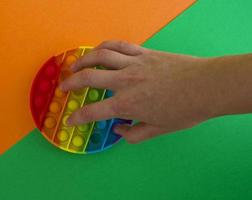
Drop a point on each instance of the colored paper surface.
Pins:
(32, 31)
(211, 161)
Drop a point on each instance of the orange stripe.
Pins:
(32, 31)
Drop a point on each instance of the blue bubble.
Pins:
(101, 124)
(109, 93)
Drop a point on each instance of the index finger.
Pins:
(122, 47)
(104, 57)
(101, 110)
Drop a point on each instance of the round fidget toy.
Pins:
(51, 107)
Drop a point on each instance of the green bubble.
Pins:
(93, 95)
(83, 127)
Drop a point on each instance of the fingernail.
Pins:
(72, 68)
(116, 130)
(69, 121)
(61, 86)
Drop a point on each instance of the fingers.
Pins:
(104, 57)
(121, 47)
(138, 132)
(93, 112)
(105, 79)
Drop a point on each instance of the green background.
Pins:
(211, 161)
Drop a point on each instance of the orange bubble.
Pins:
(59, 93)
(70, 60)
(65, 74)
(50, 122)
(55, 107)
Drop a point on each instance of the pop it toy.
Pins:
(50, 108)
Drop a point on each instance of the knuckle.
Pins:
(87, 114)
(116, 108)
(78, 63)
(131, 77)
(131, 140)
(86, 75)
(153, 59)
(147, 57)
(105, 43)
(122, 107)
(122, 44)
(102, 54)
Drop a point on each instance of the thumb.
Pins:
(139, 132)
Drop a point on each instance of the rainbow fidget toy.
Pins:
(50, 108)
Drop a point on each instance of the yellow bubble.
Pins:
(50, 122)
(77, 141)
(55, 107)
(93, 95)
(62, 135)
(70, 60)
(59, 93)
(83, 128)
(73, 105)
(64, 120)
(78, 92)
(87, 50)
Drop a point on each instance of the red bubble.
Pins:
(39, 101)
(44, 86)
(50, 71)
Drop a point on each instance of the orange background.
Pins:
(31, 31)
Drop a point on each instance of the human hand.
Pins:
(164, 91)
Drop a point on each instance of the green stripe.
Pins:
(211, 161)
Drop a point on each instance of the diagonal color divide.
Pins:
(32, 31)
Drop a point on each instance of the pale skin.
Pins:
(165, 92)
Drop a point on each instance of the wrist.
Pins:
(228, 81)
